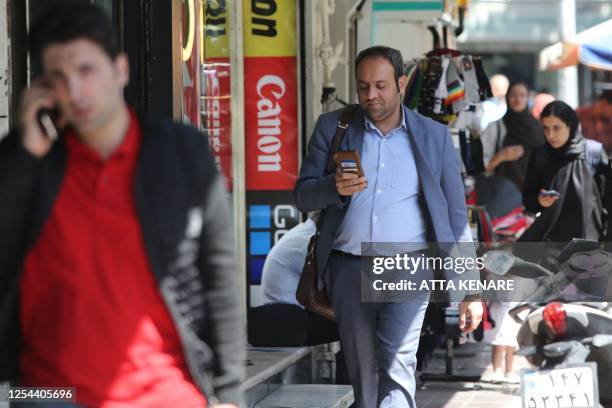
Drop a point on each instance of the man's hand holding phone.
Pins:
(34, 99)
(350, 178)
(348, 184)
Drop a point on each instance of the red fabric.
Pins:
(486, 324)
(471, 198)
(485, 225)
(91, 314)
(512, 224)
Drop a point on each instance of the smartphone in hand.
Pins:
(348, 162)
(47, 120)
(550, 193)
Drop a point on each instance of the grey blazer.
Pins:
(437, 165)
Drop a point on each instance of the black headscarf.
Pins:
(578, 213)
(524, 130)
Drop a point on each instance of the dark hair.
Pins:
(71, 21)
(564, 112)
(514, 84)
(517, 83)
(390, 54)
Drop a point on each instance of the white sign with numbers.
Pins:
(573, 386)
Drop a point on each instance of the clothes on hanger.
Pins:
(456, 100)
(441, 94)
(445, 83)
(426, 97)
(470, 79)
(484, 86)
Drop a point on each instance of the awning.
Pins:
(591, 47)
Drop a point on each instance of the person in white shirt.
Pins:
(487, 120)
(283, 265)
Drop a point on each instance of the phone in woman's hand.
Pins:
(550, 193)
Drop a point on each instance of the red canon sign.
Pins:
(271, 123)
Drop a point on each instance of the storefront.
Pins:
(231, 69)
(248, 73)
(239, 85)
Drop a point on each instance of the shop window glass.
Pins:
(206, 76)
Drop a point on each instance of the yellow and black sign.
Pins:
(270, 28)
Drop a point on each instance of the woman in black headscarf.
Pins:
(522, 129)
(568, 164)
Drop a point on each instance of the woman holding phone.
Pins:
(562, 181)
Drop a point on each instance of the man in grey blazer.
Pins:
(411, 193)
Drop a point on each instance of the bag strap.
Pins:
(343, 124)
(499, 142)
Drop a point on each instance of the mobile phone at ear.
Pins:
(47, 120)
(348, 162)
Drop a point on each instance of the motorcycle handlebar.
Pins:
(525, 269)
(537, 295)
(514, 312)
(546, 288)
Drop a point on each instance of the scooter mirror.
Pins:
(558, 349)
(596, 263)
(577, 245)
(602, 340)
(498, 262)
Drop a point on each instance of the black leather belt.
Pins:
(344, 254)
(426, 252)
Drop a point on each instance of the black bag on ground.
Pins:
(285, 325)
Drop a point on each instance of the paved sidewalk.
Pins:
(470, 359)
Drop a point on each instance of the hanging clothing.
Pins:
(426, 98)
(524, 130)
(484, 87)
(441, 92)
(443, 86)
(470, 78)
(415, 82)
(455, 99)
(471, 152)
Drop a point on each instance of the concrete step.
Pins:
(268, 368)
(265, 363)
(309, 396)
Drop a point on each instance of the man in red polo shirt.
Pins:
(115, 240)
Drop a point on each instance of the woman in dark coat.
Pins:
(569, 165)
(522, 129)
